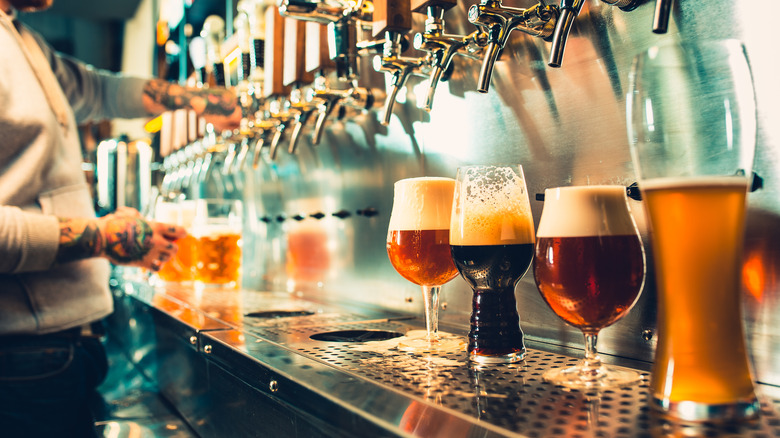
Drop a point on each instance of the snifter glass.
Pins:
(589, 266)
(492, 238)
(691, 125)
(418, 248)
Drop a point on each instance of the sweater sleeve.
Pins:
(28, 241)
(96, 94)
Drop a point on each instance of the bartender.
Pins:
(54, 252)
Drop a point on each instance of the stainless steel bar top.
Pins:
(326, 370)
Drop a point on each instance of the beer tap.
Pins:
(274, 89)
(393, 20)
(663, 9)
(341, 21)
(569, 10)
(296, 77)
(213, 33)
(498, 21)
(440, 46)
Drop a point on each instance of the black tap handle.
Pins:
(663, 8)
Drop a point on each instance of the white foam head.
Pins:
(583, 211)
(491, 208)
(422, 204)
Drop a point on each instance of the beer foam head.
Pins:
(583, 211)
(491, 208)
(422, 204)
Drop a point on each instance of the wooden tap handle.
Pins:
(421, 6)
(392, 16)
(294, 71)
(274, 54)
(317, 54)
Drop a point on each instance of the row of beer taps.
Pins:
(280, 94)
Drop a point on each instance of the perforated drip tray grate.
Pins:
(513, 397)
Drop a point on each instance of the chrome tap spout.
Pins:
(498, 21)
(569, 10)
(399, 67)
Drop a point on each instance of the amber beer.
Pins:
(492, 241)
(697, 235)
(181, 267)
(422, 256)
(218, 229)
(418, 248)
(218, 257)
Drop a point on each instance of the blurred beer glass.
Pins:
(492, 243)
(589, 266)
(217, 228)
(180, 268)
(419, 249)
(691, 126)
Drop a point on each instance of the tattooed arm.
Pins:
(218, 106)
(125, 238)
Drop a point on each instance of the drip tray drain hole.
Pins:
(356, 336)
(279, 313)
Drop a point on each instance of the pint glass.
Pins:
(181, 267)
(492, 243)
(691, 126)
(217, 228)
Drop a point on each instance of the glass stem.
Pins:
(591, 364)
(431, 297)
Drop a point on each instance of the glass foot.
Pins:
(603, 377)
(416, 341)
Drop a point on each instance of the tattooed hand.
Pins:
(125, 238)
(218, 106)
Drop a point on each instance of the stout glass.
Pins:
(492, 242)
(589, 266)
(691, 125)
(419, 249)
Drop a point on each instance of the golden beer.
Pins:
(182, 266)
(697, 236)
(219, 257)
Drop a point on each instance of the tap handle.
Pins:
(391, 16)
(663, 8)
(569, 9)
(274, 43)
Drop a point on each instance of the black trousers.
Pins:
(47, 383)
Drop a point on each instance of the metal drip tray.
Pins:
(278, 313)
(506, 399)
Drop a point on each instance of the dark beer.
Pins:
(492, 271)
(590, 282)
(491, 239)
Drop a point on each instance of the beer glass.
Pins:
(419, 249)
(691, 127)
(217, 228)
(181, 267)
(589, 266)
(492, 243)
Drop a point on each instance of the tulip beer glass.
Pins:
(217, 228)
(492, 242)
(691, 125)
(419, 249)
(589, 265)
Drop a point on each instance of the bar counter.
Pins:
(239, 363)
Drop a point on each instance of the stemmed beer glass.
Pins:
(589, 266)
(419, 249)
(691, 126)
(492, 241)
